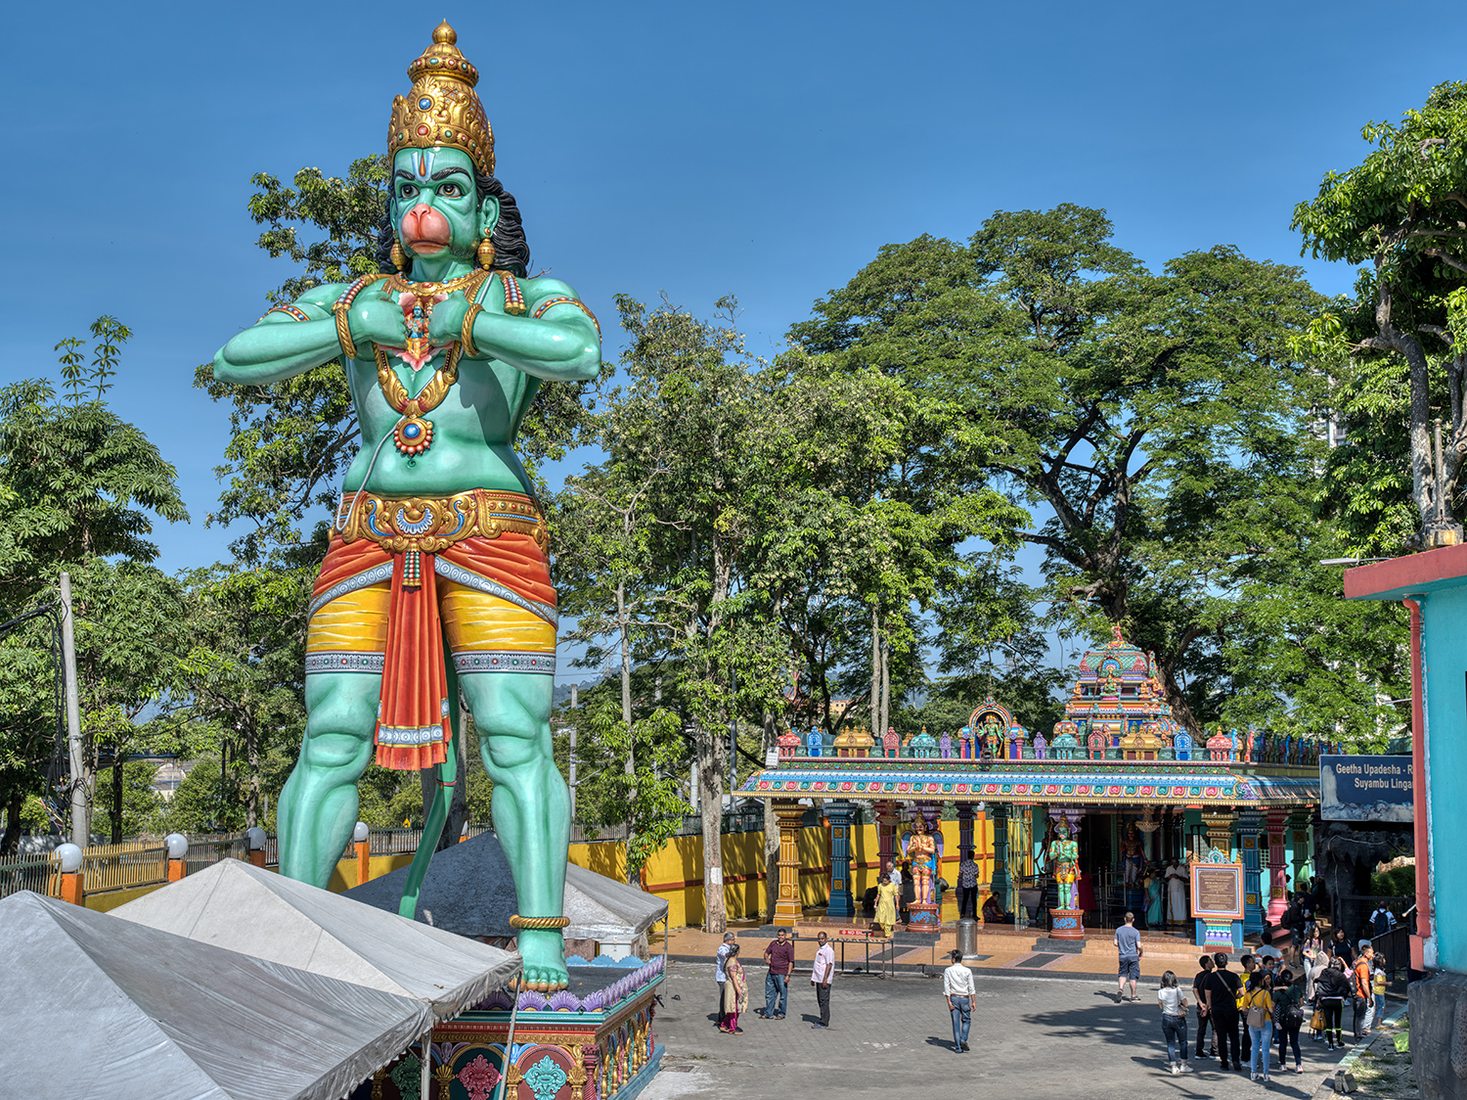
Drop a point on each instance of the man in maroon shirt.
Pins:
(780, 955)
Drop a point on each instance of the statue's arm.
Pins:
(557, 339)
(286, 341)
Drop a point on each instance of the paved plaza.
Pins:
(1032, 1039)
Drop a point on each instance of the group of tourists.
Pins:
(779, 957)
(1268, 1002)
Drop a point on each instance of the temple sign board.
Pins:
(1217, 891)
(1365, 788)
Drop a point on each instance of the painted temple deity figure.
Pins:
(788, 744)
(990, 738)
(1133, 859)
(1249, 739)
(814, 743)
(1182, 744)
(1219, 746)
(1041, 746)
(1064, 858)
(436, 584)
(945, 746)
(920, 848)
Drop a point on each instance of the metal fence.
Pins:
(205, 852)
(38, 871)
(125, 865)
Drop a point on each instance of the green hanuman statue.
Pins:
(436, 584)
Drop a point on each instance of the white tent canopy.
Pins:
(248, 909)
(97, 1006)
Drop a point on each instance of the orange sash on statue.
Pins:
(413, 725)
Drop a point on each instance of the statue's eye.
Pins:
(407, 190)
(451, 190)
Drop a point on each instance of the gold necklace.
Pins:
(398, 283)
(413, 434)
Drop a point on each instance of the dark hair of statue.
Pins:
(511, 250)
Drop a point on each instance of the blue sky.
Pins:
(764, 150)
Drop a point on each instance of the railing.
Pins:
(122, 866)
(209, 851)
(36, 871)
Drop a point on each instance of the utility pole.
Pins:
(571, 768)
(80, 785)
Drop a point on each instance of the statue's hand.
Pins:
(376, 320)
(447, 322)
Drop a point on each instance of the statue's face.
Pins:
(435, 206)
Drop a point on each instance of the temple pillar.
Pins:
(1278, 890)
(999, 886)
(840, 815)
(965, 851)
(886, 826)
(1250, 832)
(1299, 824)
(787, 907)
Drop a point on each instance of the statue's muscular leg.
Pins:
(531, 807)
(318, 806)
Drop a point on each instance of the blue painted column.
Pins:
(840, 815)
(1250, 833)
(1000, 886)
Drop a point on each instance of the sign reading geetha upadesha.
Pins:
(1217, 891)
(1365, 788)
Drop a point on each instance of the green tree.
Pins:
(1156, 425)
(1400, 212)
(83, 489)
(243, 669)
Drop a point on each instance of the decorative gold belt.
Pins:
(429, 524)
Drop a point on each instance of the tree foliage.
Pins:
(1402, 213)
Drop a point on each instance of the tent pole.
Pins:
(425, 1080)
(514, 1012)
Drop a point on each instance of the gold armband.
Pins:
(466, 333)
(549, 303)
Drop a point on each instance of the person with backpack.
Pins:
(1331, 988)
(1258, 1015)
(1221, 991)
(1288, 1017)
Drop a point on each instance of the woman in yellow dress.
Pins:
(886, 904)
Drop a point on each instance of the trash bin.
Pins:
(968, 937)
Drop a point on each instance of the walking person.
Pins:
(735, 992)
(1222, 1009)
(779, 956)
(1199, 983)
(1128, 952)
(1258, 1010)
(886, 905)
(1173, 1003)
(720, 974)
(957, 988)
(1331, 988)
(1362, 1001)
(1288, 1017)
(1378, 987)
(822, 973)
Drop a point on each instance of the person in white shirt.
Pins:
(957, 987)
(1173, 1003)
(821, 975)
(720, 975)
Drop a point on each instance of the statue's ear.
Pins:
(488, 214)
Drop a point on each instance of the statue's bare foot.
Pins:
(544, 954)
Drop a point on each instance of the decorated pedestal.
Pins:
(593, 1041)
(1067, 924)
(923, 917)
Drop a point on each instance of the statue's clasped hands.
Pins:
(447, 321)
(376, 320)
